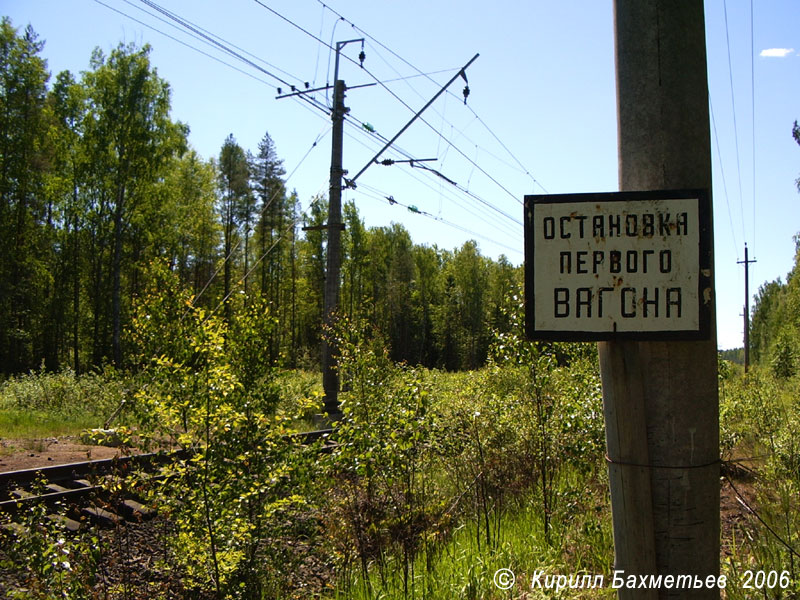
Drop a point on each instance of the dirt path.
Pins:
(29, 454)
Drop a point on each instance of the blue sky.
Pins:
(540, 118)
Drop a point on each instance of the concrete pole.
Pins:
(330, 377)
(660, 398)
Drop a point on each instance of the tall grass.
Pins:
(760, 416)
(579, 542)
(41, 404)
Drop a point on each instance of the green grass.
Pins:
(579, 543)
(760, 416)
(42, 404)
(300, 391)
(17, 423)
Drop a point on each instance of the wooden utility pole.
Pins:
(660, 398)
(746, 262)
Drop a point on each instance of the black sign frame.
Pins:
(705, 268)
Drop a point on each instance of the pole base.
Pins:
(327, 420)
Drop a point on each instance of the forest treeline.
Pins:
(775, 322)
(100, 189)
(775, 319)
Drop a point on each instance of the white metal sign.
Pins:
(624, 265)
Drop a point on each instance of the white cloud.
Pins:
(776, 52)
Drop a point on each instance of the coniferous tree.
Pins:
(267, 174)
(234, 191)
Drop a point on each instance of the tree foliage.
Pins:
(97, 182)
(131, 139)
(775, 322)
(775, 318)
(211, 392)
(25, 221)
(796, 136)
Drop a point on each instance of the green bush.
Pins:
(760, 422)
(241, 492)
(51, 562)
(784, 356)
(62, 392)
(42, 404)
(426, 457)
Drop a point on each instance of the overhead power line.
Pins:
(420, 72)
(499, 141)
(225, 47)
(377, 194)
(733, 107)
(218, 45)
(466, 191)
(393, 94)
(179, 41)
(490, 213)
(203, 34)
(416, 75)
(722, 171)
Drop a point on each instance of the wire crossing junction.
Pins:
(633, 265)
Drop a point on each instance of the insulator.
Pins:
(308, 85)
(280, 91)
(466, 93)
(361, 57)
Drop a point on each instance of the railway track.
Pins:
(79, 487)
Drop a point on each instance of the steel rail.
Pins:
(70, 473)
